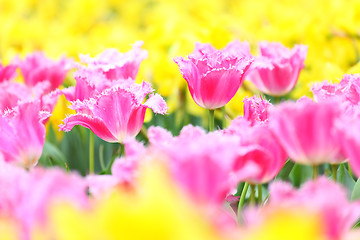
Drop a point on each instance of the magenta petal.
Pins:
(214, 76)
(136, 120)
(95, 124)
(7, 72)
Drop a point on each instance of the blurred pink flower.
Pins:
(323, 196)
(89, 82)
(7, 72)
(23, 134)
(214, 76)
(116, 65)
(203, 167)
(123, 172)
(13, 93)
(260, 156)
(48, 186)
(27, 195)
(307, 131)
(116, 113)
(349, 128)
(348, 89)
(256, 109)
(37, 68)
(276, 70)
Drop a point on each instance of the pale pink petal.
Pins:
(157, 104)
(307, 131)
(276, 70)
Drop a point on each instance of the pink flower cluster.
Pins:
(25, 107)
(207, 166)
(25, 197)
(106, 98)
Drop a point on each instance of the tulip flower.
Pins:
(116, 113)
(256, 110)
(23, 134)
(322, 196)
(347, 90)
(37, 68)
(307, 131)
(214, 76)
(116, 65)
(258, 150)
(349, 127)
(203, 167)
(276, 70)
(7, 72)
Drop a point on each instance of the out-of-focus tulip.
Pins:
(258, 151)
(7, 72)
(37, 68)
(116, 65)
(307, 131)
(256, 109)
(23, 134)
(276, 70)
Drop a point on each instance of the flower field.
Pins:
(154, 119)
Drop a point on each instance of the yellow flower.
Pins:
(156, 209)
(284, 224)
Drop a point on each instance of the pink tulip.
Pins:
(307, 131)
(46, 187)
(7, 72)
(116, 65)
(348, 89)
(116, 113)
(349, 127)
(321, 196)
(213, 76)
(260, 156)
(23, 134)
(38, 68)
(203, 167)
(13, 92)
(27, 195)
(89, 82)
(123, 172)
(276, 70)
(256, 110)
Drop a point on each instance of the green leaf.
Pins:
(356, 191)
(345, 179)
(285, 171)
(51, 156)
(300, 174)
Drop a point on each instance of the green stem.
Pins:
(211, 119)
(315, 172)
(277, 99)
(242, 200)
(259, 193)
(101, 157)
(334, 168)
(143, 133)
(91, 152)
(252, 194)
(122, 153)
(223, 117)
